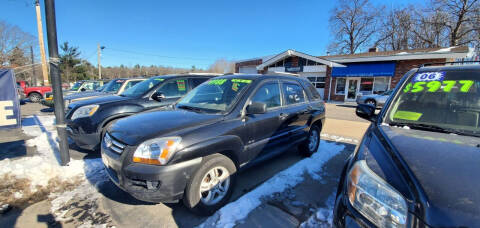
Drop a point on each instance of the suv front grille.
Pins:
(113, 144)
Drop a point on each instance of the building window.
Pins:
(318, 82)
(340, 86)
(380, 85)
(366, 86)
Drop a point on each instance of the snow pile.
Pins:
(44, 166)
(338, 138)
(323, 217)
(238, 210)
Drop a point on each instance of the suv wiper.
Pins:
(435, 128)
(186, 107)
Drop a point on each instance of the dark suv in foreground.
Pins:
(87, 119)
(419, 161)
(194, 150)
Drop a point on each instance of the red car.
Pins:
(36, 93)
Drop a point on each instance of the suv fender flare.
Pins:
(112, 118)
(228, 145)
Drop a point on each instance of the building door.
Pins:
(352, 89)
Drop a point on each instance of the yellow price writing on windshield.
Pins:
(435, 86)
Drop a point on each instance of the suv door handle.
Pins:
(283, 116)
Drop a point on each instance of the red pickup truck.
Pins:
(35, 93)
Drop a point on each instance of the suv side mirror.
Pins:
(83, 90)
(366, 112)
(256, 108)
(158, 96)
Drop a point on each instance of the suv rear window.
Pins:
(446, 99)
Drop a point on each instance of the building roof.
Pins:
(289, 52)
(427, 53)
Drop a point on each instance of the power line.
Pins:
(161, 56)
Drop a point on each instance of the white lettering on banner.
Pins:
(4, 113)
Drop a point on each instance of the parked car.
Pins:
(115, 86)
(20, 92)
(85, 86)
(87, 119)
(35, 93)
(418, 163)
(193, 150)
(376, 100)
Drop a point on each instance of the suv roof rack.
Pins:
(445, 63)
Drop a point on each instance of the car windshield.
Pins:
(215, 95)
(113, 86)
(142, 87)
(446, 101)
(76, 86)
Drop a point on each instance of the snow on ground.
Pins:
(235, 211)
(323, 217)
(338, 138)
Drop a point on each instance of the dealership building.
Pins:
(344, 77)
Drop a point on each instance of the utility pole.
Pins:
(56, 81)
(99, 55)
(41, 44)
(34, 76)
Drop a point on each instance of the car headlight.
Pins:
(156, 151)
(374, 198)
(84, 111)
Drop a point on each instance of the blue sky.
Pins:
(183, 33)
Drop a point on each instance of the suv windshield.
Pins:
(113, 86)
(216, 95)
(445, 101)
(142, 87)
(76, 86)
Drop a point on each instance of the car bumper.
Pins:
(150, 183)
(87, 141)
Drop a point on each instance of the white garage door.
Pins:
(247, 69)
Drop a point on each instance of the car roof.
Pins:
(466, 67)
(261, 77)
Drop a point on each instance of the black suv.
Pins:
(194, 150)
(418, 163)
(87, 119)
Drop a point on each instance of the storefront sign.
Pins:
(9, 104)
(294, 69)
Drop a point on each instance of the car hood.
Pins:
(98, 100)
(84, 94)
(371, 96)
(135, 129)
(447, 167)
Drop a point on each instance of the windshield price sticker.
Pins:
(428, 77)
(217, 81)
(248, 81)
(181, 85)
(406, 115)
(434, 86)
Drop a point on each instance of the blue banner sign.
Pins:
(9, 103)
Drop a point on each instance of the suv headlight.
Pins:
(374, 198)
(156, 151)
(84, 111)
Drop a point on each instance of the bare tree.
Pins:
(222, 66)
(12, 39)
(395, 32)
(459, 20)
(353, 24)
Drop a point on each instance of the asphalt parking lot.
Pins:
(342, 127)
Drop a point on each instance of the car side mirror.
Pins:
(83, 90)
(158, 96)
(366, 112)
(256, 108)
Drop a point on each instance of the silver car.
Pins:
(376, 100)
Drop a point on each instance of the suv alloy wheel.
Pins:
(310, 146)
(211, 186)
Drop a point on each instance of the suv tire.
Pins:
(217, 170)
(310, 146)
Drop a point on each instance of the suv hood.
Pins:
(447, 166)
(85, 94)
(98, 100)
(137, 128)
